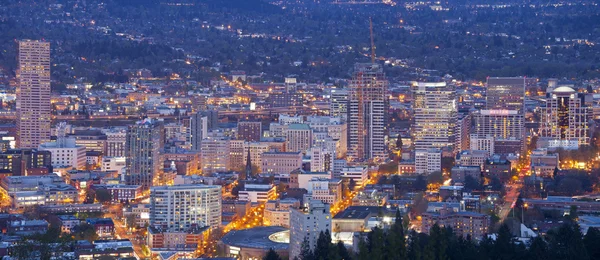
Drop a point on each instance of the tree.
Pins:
(573, 213)
(85, 231)
(342, 251)
(271, 255)
(399, 143)
(306, 252)
(351, 184)
(567, 242)
(103, 195)
(538, 249)
(323, 245)
(447, 164)
(472, 183)
(591, 240)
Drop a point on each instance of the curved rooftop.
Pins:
(564, 90)
(259, 237)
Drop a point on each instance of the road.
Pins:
(121, 232)
(512, 194)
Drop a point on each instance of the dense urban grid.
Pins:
(299, 129)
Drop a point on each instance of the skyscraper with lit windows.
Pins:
(367, 113)
(33, 94)
(435, 114)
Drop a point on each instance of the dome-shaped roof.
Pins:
(564, 90)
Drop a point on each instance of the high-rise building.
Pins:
(115, 142)
(215, 155)
(503, 116)
(499, 124)
(184, 207)
(308, 223)
(505, 94)
(564, 122)
(299, 138)
(367, 113)
(142, 146)
(435, 114)
(338, 103)
(463, 132)
(249, 131)
(198, 130)
(33, 94)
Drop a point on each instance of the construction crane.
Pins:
(372, 40)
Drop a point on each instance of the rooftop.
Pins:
(259, 237)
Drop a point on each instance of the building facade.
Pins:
(182, 207)
(33, 94)
(435, 113)
(142, 147)
(367, 113)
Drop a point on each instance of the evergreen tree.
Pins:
(271, 255)
(567, 242)
(538, 249)
(306, 252)
(323, 246)
(591, 240)
(395, 241)
(342, 251)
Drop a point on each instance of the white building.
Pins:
(307, 224)
(181, 207)
(110, 164)
(257, 192)
(483, 143)
(359, 174)
(321, 160)
(65, 152)
(428, 161)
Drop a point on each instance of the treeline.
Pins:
(565, 242)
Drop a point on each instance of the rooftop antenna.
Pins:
(372, 40)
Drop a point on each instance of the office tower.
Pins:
(367, 113)
(435, 114)
(463, 132)
(186, 206)
(115, 142)
(236, 154)
(215, 155)
(249, 131)
(503, 118)
(142, 146)
(307, 224)
(505, 94)
(212, 117)
(299, 138)
(33, 94)
(198, 130)
(564, 122)
(338, 103)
